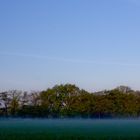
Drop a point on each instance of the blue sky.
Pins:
(94, 44)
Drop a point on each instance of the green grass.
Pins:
(69, 129)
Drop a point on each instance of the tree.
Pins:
(6, 101)
(14, 101)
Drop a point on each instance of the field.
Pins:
(69, 129)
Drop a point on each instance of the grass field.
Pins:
(69, 129)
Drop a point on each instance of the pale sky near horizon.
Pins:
(94, 44)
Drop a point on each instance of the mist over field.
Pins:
(41, 129)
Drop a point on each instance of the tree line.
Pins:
(70, 101)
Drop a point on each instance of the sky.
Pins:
(94, 44)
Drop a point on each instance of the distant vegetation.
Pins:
(70, 101)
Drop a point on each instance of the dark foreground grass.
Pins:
(69, 129)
